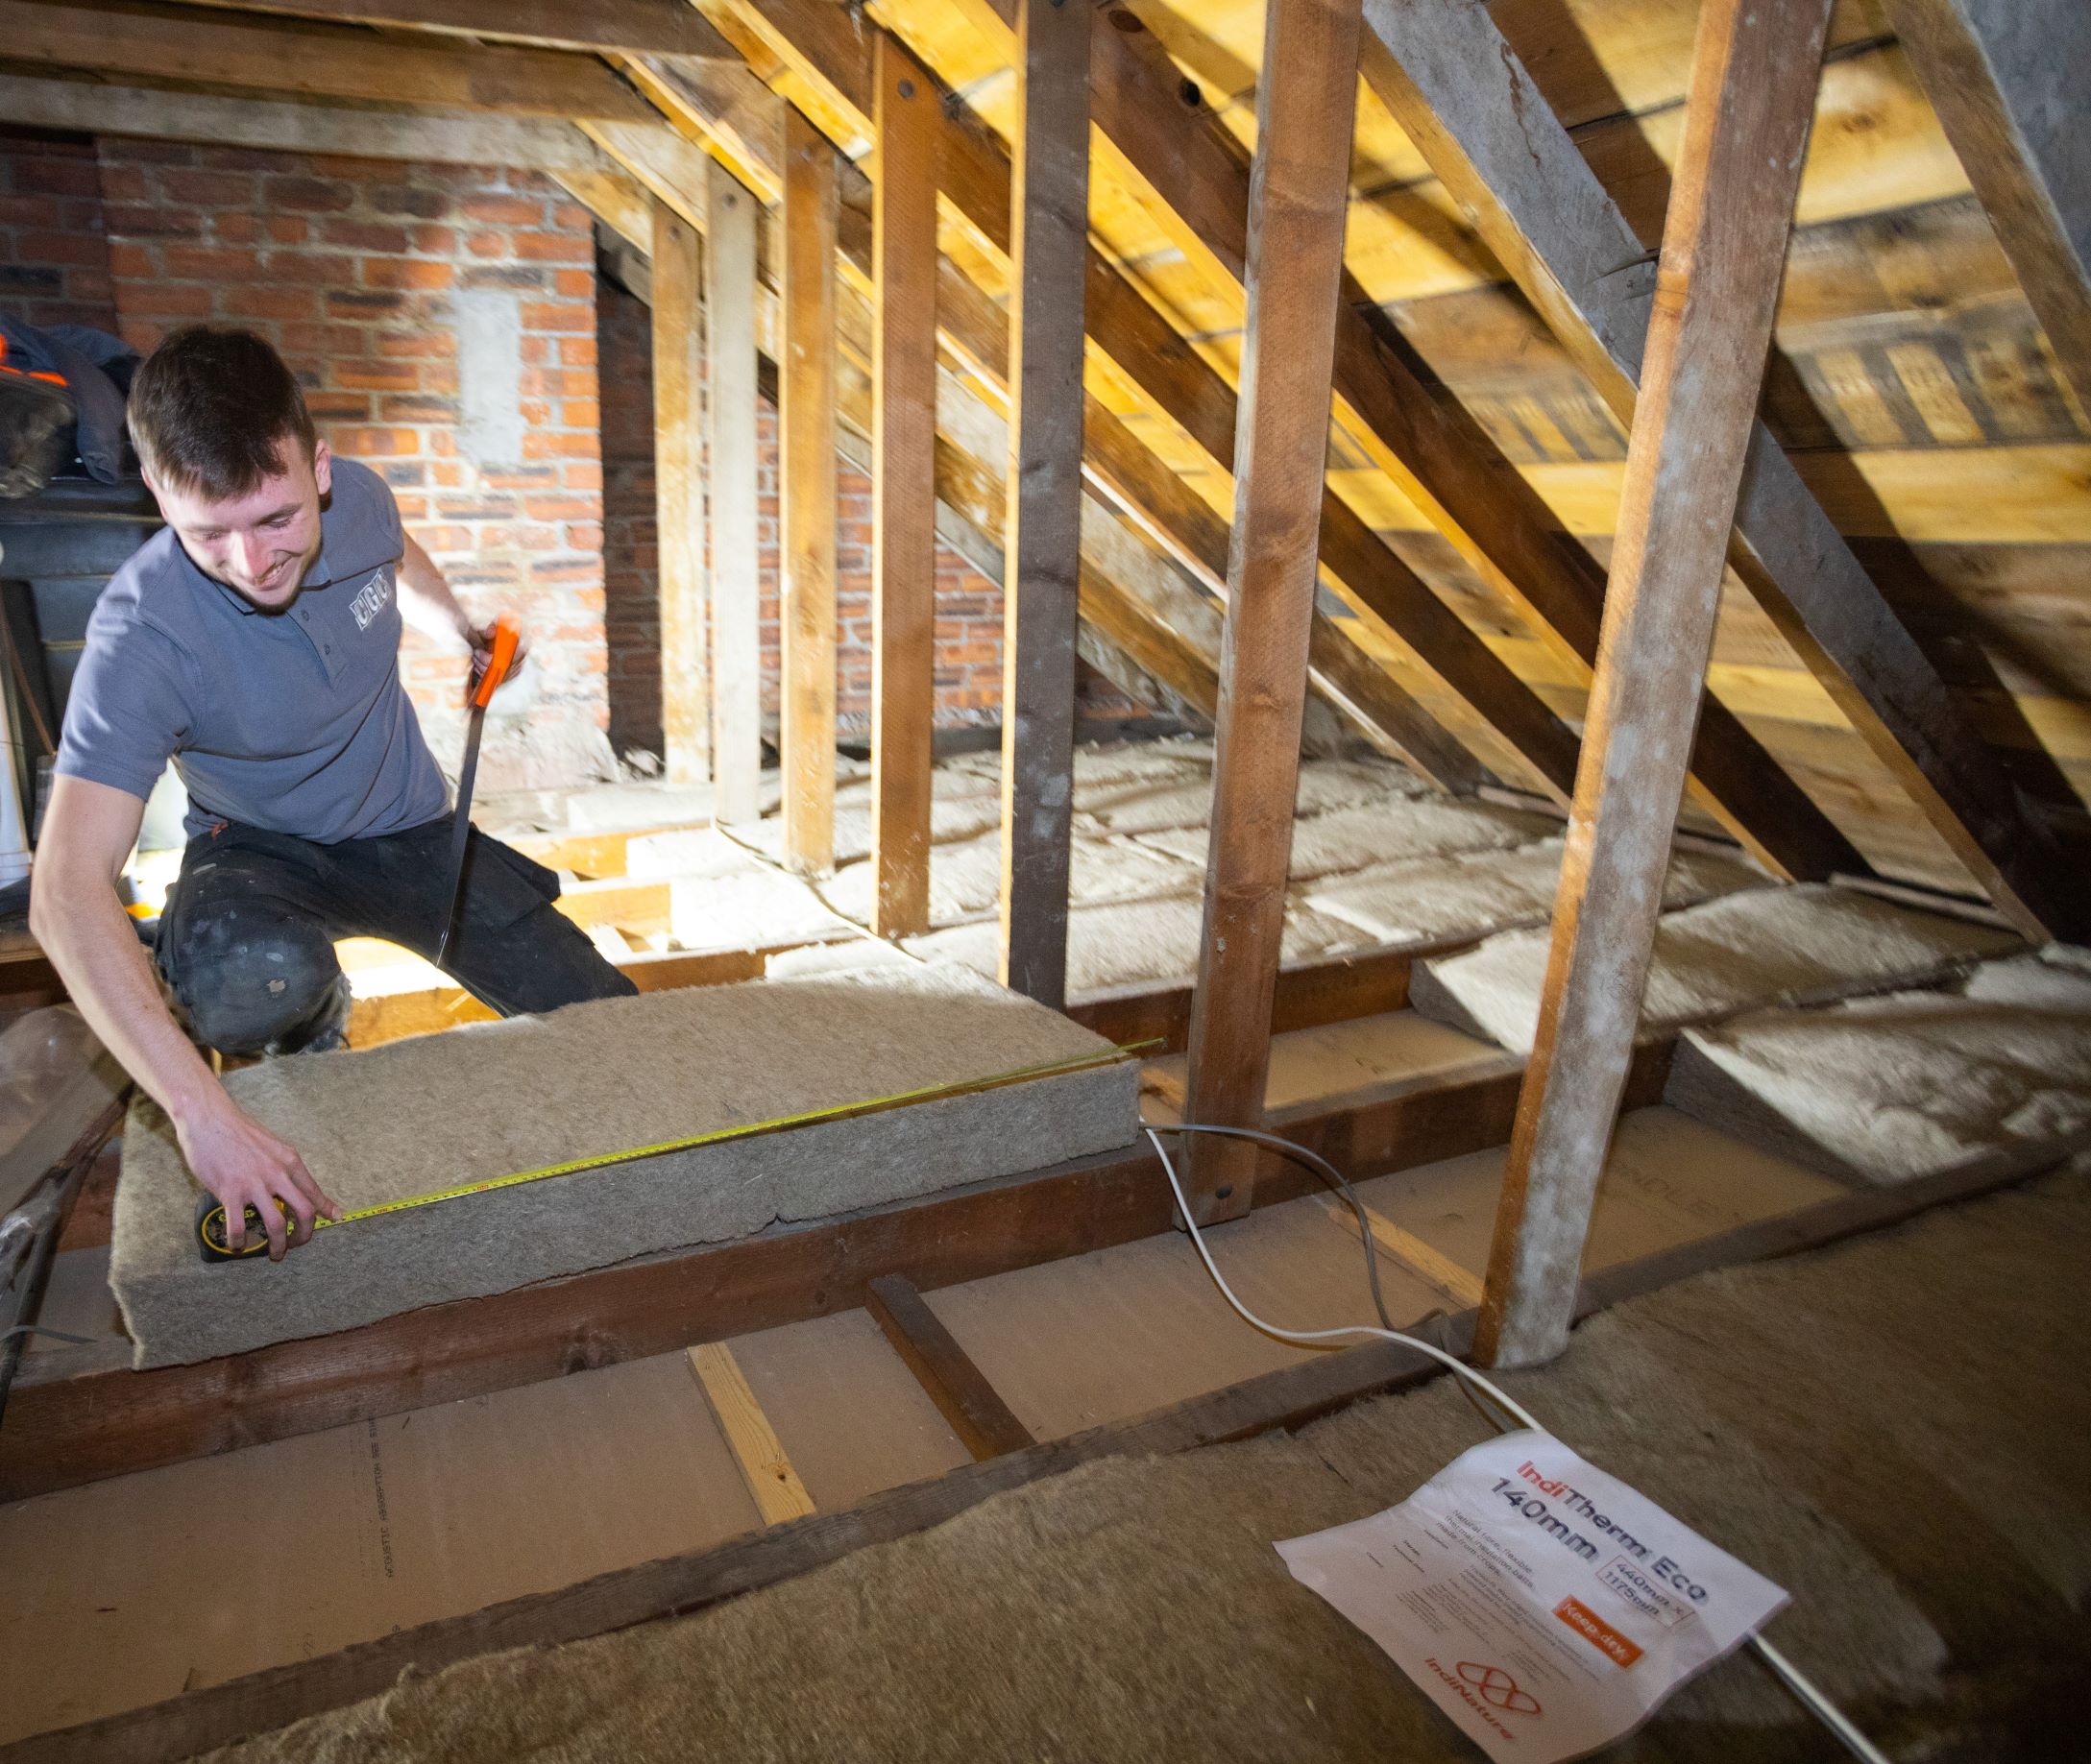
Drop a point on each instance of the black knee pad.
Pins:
(252, 981)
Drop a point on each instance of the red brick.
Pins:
(208, 189)
(380, 376)
(405, 272)
(310, 269)
(138, 261)
(504, 210)
(289, 228)
(578, 284)
(364, 235)
(416, 407)
(57, 177)
(555, 248)
(549, 315)
(338, 406)
(408, 198)
(314, 342)
(270, 303)
(376, 443)
(418, 345)
(125, 183)
(210, 263)
(178, 301)
(314, 195)
(142, 223)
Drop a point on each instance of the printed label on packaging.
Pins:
(1544, 1605)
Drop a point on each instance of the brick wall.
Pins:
(362, 273)
(389, 287)
(54, 259)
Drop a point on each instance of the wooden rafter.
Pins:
(636, 27)
(806, 392)
(1042, 536)
(903, 491)
(1304, 117)
(680, 496)
(738, 117)
(1439, 458)
(1155, 624)
(831, 49)
(731, 495)
(1747, 122)
(1466, 102)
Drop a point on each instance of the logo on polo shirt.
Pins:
(369, 599)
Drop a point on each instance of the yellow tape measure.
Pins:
(211, 1228)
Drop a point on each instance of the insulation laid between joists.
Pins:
(492, 1100)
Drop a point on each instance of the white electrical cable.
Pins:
(1790, 1674)
(1817, 1705)
(1212, 1267)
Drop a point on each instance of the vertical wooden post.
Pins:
(1298, 199)
(1049, 225)
(903, 487)
(679, 501)
(737, 583)
(806, 417)
(2006, 78)
(1753, 91)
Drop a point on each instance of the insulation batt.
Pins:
(1764, 946)
(1896, 1087)
(435, 1112)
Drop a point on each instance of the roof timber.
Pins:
(1724, 249)
(1157, 624)
(975, 330)
(1305, 114)
(1464, 97)
(636, 27)
(1436, 456)
(446, 137)
(313, 59)
(816, 41)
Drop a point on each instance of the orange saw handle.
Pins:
(506, 637)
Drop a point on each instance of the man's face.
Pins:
(261, 544)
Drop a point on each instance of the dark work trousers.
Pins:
(246, 939)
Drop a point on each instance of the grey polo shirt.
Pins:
(293, 721)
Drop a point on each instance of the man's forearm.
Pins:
(426, 601)
(93, 945)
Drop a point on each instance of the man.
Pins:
(254, 641)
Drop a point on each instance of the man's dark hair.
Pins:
(211, 410)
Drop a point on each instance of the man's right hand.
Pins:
(244, 1165)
